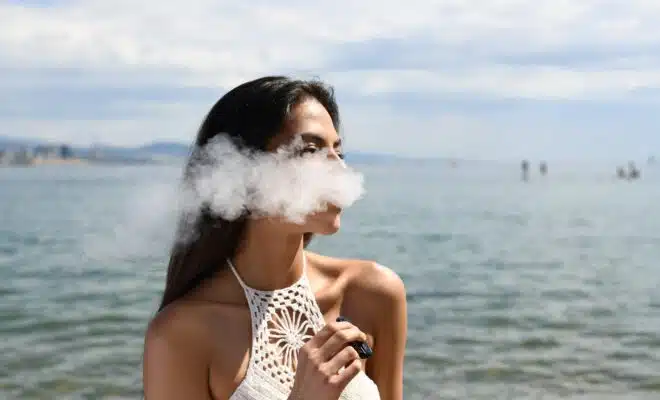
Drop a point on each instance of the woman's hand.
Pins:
(320, 360)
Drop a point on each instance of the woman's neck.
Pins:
(267, 260)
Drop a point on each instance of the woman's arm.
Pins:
(175, 364)
(387, 297)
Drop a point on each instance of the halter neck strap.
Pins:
(246, 287)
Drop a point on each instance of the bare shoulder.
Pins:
(176, 353)
(368, 277)
(176, 323)
(375, 279)
(177, 332)
(366, 282)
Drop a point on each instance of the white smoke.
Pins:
(286, 183)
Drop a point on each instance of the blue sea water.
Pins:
(539, 290)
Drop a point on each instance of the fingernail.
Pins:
(342, 319)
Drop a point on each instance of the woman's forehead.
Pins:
(309, 120)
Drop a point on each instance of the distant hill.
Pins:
(161, 149)
(165, 148)
(171, 149)
(360, 157)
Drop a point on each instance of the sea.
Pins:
(544, 289)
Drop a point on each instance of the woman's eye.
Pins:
(315, 149)
(309, 150)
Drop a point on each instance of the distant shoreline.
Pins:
(62, 161)
(47, 161)
(80, 162)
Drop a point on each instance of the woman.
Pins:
(247, 312)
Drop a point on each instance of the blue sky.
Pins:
(488, 79)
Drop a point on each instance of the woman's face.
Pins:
(311, 123)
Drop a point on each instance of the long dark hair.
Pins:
(250, 115)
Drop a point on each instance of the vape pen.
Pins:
(362, 348)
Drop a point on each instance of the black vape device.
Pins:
(362, 348)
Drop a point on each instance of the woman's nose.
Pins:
(334, 156)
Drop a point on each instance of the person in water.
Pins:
(524, 168)
(247, 311)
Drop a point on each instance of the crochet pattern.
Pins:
(282, 321)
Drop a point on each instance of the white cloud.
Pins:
(588, 50)
(502, 81)
(220, 43)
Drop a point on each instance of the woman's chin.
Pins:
(324, 224)
(331, 229)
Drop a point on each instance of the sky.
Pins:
(485, 79)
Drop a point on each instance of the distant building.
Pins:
(46, 152)
(65, 152)
(38, 154)
(23, 156)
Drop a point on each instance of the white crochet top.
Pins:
(282, 321)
